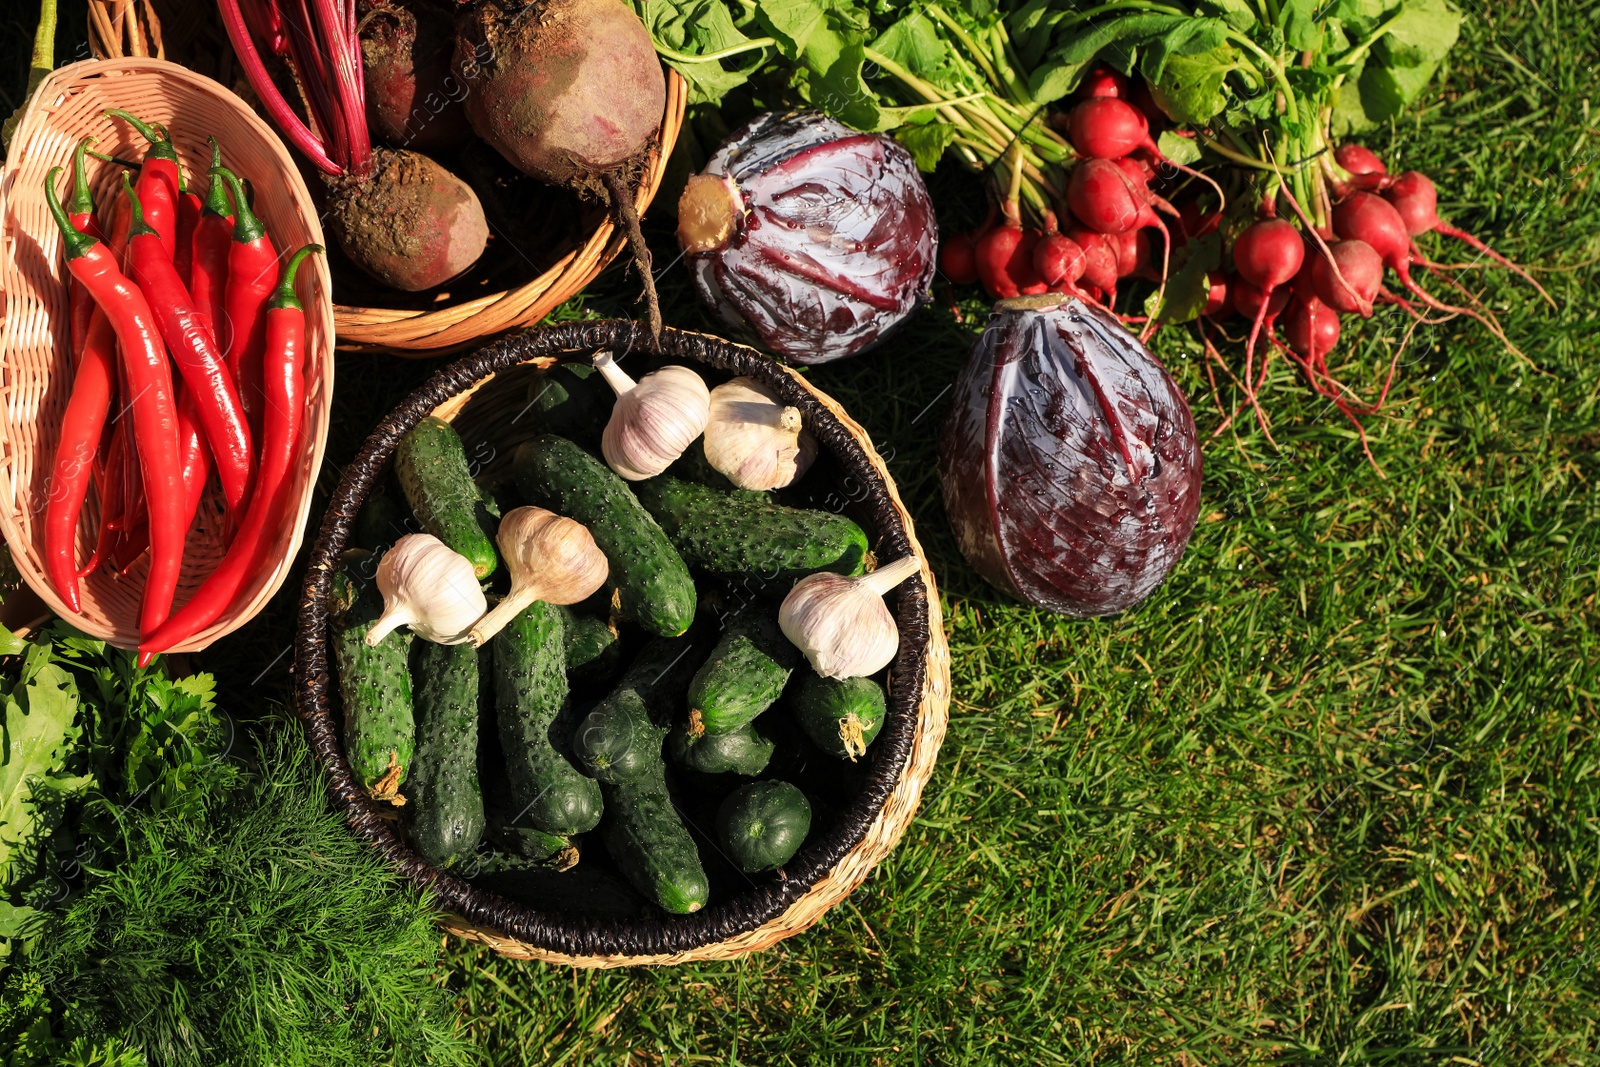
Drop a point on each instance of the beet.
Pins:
(812, 238)
(571, 92)
(411, 224)
(414, 99)
(564, 89)
(1069, 460)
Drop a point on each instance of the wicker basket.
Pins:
(35, 363)
(118, 27)
(483, 393)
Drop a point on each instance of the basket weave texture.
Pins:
(483, 392)
(196, 37)
(35, 357)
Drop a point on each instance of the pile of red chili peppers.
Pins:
(194, 284)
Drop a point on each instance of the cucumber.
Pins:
(570, 399)
(374, 685)
(621, 737)
(744, 675)
(431, 465)
(735, 535)
(519, 848)
(530, 669)
(841, 716)
(763, 824)
(693, 466)
(651, 845)
(742, 751)
(593, 650)
(443, 814)
(652, 584)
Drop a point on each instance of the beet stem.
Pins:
(277, 107)
(628, 218)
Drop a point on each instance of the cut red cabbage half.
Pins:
(1069, 461)
(810, 238)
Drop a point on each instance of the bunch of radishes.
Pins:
(1110, 205)
(1290, 278)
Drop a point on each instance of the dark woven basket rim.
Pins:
(316, 689)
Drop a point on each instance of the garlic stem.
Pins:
(550, 557)
(886, 578)
(614, 375)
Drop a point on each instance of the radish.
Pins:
(1099, 260)
(958, 259)
(1057, 260)
(1311, 328)
(1370, 218)
(413, 100)
(1004, 258)
(1250, 300)
(1268, 253)
(1362, 269)
(1104, 199)
(1108, 128)
(1126, 246)
(1358, 159)
(1102, 81)
(1416, 200)
(1219, 301)
(571, 92)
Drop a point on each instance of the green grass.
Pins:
(1330, 796)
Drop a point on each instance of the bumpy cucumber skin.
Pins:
(762, 825)
(650, 843)
(443, 814)
(823, 706)
(693, 466)
(736, 535)
(744, 675)
(530, 668)
(594, 653)
(651, 580)
(620, 739)
(374, 687)
(742, 751)
(431, 465)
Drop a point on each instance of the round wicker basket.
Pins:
(482, 393)
(35, 361)
(118, 27)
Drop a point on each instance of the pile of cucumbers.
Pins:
(649, 748)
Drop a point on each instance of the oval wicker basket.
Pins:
(120, 26)
(483, 393)
(35, 363)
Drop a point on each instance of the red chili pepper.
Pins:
(208, 272)
(189, 206)
(196, 460)
(189, 340)
(159, 182)
(284, 383)
(155, 415)
(80, 212)
(252, 276)
(111, 489)
(81, 427)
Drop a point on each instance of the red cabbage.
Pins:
(808, 237)
(1069, 460)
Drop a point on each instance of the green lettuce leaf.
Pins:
(38, 716)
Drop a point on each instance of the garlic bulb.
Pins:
(655, 419)
(550, 557)
(755, 440)
(428, 587)
(841, 623)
